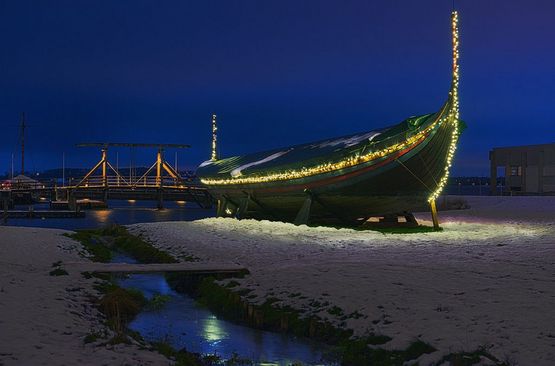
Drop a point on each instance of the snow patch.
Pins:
(237, 171)
(347, 142)
(206, 163)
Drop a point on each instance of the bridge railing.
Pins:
(126, 182)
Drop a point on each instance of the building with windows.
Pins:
(527, 169)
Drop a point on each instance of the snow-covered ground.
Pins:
(44, 319)
(487, 280)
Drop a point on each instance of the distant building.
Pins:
(24, 182)
(528, 169)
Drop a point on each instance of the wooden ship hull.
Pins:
(386, 172)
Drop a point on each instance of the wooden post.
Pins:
(71, 200)
(219, 209)
(303, 216)
(22, 144)
(493, 173)
(541, 162)
(159, 168)
(5, 216)
(243, 207)
(434, 214)
(104, 167)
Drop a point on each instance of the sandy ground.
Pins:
(487, 280)
(43, 318)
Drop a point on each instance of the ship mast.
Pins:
(214, 155)
(455, 82)
(452, 117)
(23, 143)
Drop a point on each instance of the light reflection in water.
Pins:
(212, 331)
(101, 216)
(120, 212)
(185, 324)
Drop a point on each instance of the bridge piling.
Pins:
(160, 197)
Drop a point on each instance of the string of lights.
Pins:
(214, 155)
(326, 167)
(453, 115)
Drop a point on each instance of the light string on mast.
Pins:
(453, 115)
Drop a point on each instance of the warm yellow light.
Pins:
(331, 166)
(214, 155)
(212, 330)
(453, 115)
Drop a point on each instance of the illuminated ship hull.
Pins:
(344, 180)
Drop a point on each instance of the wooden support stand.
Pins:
(303, 216)
(434, 215)
(220, 208)
(243, 207)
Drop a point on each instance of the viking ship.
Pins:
(385, 172)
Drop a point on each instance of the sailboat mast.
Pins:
(23, 143)
(214, 155)
(455, 81)
(453, 114)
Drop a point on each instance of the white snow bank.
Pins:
(44, 319)
(487, 280)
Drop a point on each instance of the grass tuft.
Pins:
(90, 241)
(472, 358)
(377, 339)
(417, 349)
(93, 337)
(120, 306)
(58, 272)
(101, 243)
(157, 302)
(182, 358)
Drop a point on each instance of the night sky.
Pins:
(276, 73)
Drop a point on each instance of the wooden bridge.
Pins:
(160, 182)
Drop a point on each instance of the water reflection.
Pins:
(120, 212)
(185, 324)
(212, 331)
(100, 216)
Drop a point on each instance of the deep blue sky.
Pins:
(275, 72)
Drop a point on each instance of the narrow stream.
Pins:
(185, 324)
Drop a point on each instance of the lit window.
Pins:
(516, 171)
